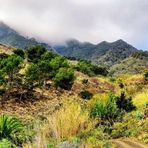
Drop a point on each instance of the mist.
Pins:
(54, 21)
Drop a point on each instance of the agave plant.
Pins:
(9, 128)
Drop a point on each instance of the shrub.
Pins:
(87, 68)
(85, 81)
(35, 53)
(86, 95)
(48, 56)
(100, 70)
(125, 103)
(19, 52)
(3, 56)
(106, 111)
(32, 75)
(128, 127)
(146, 75)
(57, 63)
(64, 78)
(9, 70)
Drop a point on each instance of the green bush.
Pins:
(57, 63)
(124, 103)
(48, 56)
(107, 111)
(35, 53)
(85, 81)
(3, 56)
(87, 68)
(86, 95)
(64, 78)
(99, 70)
(19, 52)
(146, 75)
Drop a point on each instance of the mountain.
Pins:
(136, 63)
(10, 37)
(104, 53)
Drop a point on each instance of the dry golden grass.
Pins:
(69, 121)
(141, 98)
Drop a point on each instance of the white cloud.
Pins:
(86, 20)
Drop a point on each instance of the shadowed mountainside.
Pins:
(12, 38)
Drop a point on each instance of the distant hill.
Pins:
(104, 53)
(136, 63)
(10, 37)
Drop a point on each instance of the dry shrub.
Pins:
(69, 121)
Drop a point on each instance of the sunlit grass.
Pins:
(141, 99)
(69, 121)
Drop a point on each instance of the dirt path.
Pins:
(127, 144)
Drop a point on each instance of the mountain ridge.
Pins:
(97, 53)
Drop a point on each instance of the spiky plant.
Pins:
(10, 127)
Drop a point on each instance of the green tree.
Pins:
(34, 53)
(99, 70)
(32, 76)
(56, 63)
(48, 56)
(64, 78)
(9, 68)
(37, 75)
(85, 67)
(19, 52)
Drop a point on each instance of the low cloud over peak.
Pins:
(96, 20)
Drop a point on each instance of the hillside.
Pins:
(136, 63)
(6, 49)
(12, 38)
(48, 101)
(104, 53)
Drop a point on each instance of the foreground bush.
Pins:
(107, 112)
(10, 128)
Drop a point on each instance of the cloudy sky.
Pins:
(86, 20)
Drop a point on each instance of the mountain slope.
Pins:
(104, 53)
(137, 63)
(6, 49)
(12, 38)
